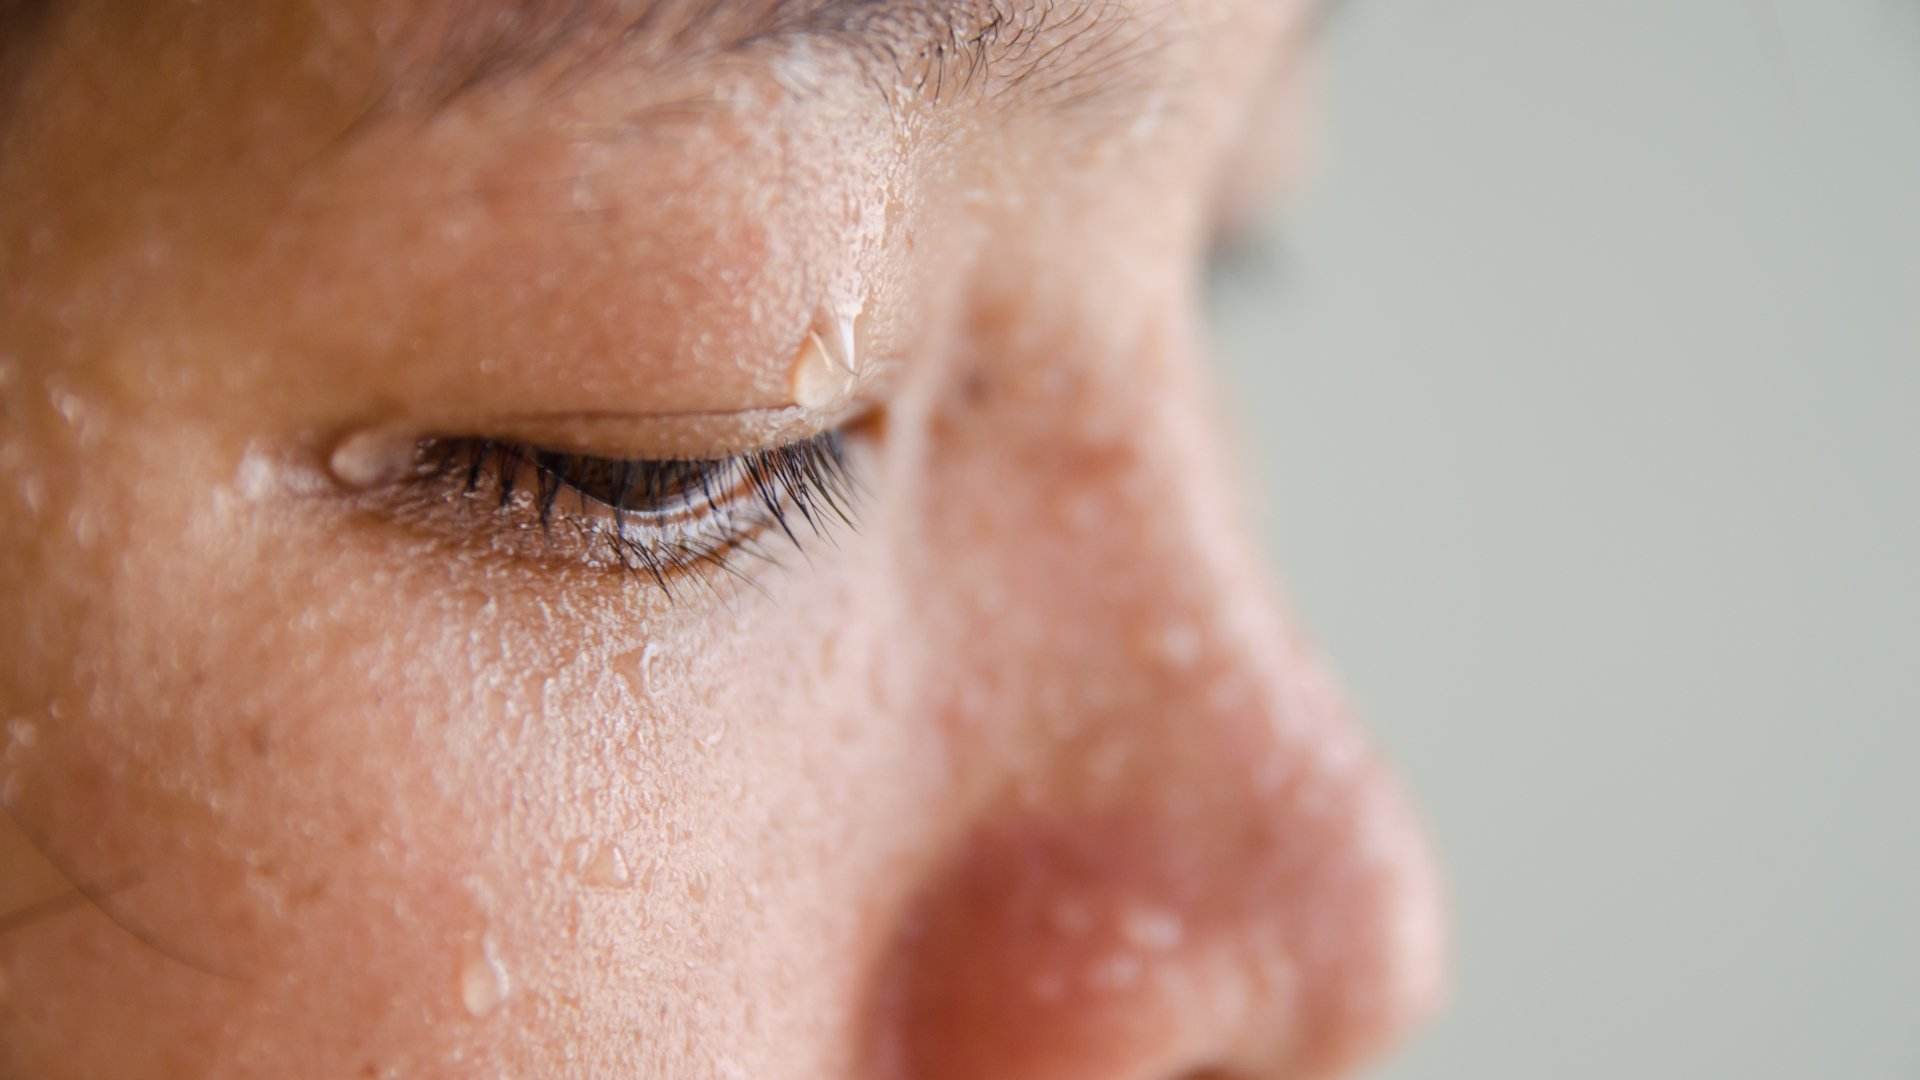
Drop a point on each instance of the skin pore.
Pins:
(379, 697)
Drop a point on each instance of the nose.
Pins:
(1176, 856)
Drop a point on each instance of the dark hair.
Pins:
(20, 26)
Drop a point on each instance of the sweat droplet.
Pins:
(1152, 929)
(647, 668)
(1116, 972)
(817, 381)
(640, 669)
(483, 980)
(371, 458)
(603, 866)
(839, 346)
(1179, 645)
(827, 366)
(1071, 917)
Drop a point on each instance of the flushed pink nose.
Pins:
(1263, 908)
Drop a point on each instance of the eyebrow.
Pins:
(459, 48)
(450, 49)
(933, 47)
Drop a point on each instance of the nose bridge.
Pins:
(1181, 858)
(1085, 529)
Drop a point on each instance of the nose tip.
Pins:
(1126, 945)
(1366, 929)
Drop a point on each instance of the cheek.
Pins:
(410, 794)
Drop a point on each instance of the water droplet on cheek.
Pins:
(603, 866)
(649, 669)
(640, 670)
(483, 980)
(71, 409)
(32, 493)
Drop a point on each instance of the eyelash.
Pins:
(662, 518)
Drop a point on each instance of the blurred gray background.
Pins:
(1585, 386)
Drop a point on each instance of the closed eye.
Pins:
(662, 518)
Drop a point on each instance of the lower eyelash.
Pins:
(661, 518)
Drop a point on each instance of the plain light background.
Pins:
(1586, 393)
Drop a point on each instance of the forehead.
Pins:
(323, 136)
(401, 55)
(442, 47)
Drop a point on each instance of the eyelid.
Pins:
(690, 434)
(372, 455)
(671, 517)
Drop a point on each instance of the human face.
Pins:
(380, 697)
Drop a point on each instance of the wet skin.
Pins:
(341, 743)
